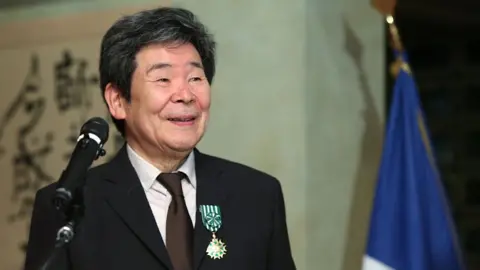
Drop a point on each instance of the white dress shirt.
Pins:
(157, 195)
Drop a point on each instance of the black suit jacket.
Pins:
(118, 230)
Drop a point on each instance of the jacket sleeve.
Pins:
(44, 224)
(280, 255)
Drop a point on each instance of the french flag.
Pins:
(410, 226)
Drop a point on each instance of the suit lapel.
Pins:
(210, 191)
(127, 197)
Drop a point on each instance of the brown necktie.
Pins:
(179, 236)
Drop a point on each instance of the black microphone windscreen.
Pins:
(97, 126)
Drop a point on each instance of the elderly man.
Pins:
(160, 203)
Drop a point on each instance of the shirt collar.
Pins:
(147, 173)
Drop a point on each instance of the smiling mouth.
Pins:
(182, 119)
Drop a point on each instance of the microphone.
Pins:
(90, 142)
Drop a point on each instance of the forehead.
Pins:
(172, 54)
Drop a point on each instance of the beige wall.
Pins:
(302, 82)
(298, 94)
(344, 101)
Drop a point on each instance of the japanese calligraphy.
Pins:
(31, 148)
(72, 92)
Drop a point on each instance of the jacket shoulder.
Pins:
(244, 175)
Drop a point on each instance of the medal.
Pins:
(216, 249)
(212, 220)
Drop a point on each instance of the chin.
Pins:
(184, 145)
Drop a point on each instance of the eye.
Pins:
(196, 79)
(163, 80)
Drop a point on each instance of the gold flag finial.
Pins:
(387, 9)
(396, 41)
(399, 63)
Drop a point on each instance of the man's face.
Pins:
(170, 99)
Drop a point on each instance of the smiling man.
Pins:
(161, 203)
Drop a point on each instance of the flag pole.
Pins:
(387, 9)
(397, 42)
(399, 63)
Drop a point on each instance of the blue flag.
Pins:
(411, 226)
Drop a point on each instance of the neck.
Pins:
(170, 164)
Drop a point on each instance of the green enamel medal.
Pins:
(212, 220)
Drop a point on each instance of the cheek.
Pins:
(155, 101)
(203, 98)
(205, 104)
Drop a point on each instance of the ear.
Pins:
(116, 102)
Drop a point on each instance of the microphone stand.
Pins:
(64, 237)
(73, 211)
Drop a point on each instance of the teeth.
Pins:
(181, 119)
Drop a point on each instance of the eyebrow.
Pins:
(166, 65)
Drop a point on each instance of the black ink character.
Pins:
(31, 149)
(72, 85)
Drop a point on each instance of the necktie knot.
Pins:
(172, 182)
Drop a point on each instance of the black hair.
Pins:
(128, 35)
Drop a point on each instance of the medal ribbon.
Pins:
(211, 217)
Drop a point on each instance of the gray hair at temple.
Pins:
(127, 36)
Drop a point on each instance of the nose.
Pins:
(183, 95)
